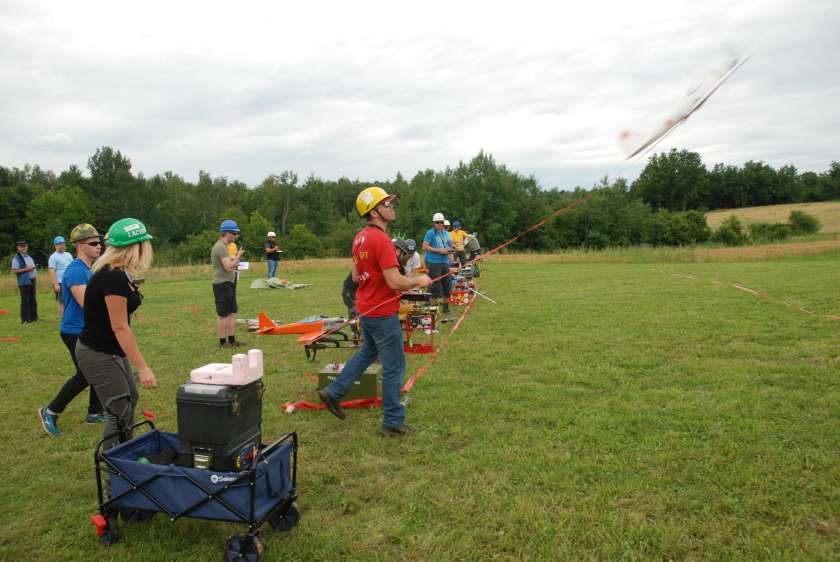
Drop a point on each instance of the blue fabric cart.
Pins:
(138, 490)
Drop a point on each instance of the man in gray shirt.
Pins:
(224, 283)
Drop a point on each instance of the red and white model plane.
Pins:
(634, 142)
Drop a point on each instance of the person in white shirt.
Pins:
(58, 262)
(413, 263)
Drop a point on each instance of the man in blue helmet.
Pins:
(58, 262)
(224, 283)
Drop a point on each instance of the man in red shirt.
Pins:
(376, 270)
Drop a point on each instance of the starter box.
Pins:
(219, 426)
(369, 385)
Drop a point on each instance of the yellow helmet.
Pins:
(369, 198)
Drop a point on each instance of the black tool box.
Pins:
(219, 426)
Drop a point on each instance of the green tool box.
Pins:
(369, 385)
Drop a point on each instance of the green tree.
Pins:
(196, 248)
(829, 187)
(677, 181)
(302, 243)
(730, 232)
(253, 236)
(55, 213)
(763, 232)
(112, 187)
(803, 223)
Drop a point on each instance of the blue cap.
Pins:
(456, 224)
(58, 240)
(229, 226)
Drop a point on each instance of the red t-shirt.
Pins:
(373, 253)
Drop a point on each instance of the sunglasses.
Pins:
(94, 243)
(438, 222)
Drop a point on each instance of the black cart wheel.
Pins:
(112, 533)
(285, 521)
(244, 547)
(137, 515)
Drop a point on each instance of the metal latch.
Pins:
(202, 458)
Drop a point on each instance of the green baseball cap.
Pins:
(82, 231)
(126, 232)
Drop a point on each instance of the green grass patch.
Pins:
(603, 411)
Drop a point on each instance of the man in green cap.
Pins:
(74, 282)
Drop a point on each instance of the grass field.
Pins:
(827, 212)
(605, 410)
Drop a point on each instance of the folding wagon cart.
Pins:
(139, 488)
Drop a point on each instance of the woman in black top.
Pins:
(106, 347)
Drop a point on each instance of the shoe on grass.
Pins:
(391, 431)
(237, 343)
(95, 418)
(332, 404)
(49, 422)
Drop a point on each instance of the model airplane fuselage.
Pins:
(635, 143)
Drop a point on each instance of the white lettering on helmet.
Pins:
(135, 229)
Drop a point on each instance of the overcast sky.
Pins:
(366, 90)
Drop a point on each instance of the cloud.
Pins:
(55, 138)
(365, 90)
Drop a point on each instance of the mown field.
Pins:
(607, 410)
(828, 212)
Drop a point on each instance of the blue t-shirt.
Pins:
(73, 320)
(59, 262)
(436, 239)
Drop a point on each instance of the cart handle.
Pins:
(270, 449)
(124, 396)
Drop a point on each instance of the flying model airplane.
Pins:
(634, 143)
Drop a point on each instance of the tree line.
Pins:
(316, 217)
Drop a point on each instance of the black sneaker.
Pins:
(332, 404)
(391, 431)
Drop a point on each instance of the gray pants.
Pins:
(109, 375)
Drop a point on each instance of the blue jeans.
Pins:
(272, 268)
(383, 340)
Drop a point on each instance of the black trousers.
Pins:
(28, 303)
(75, 384)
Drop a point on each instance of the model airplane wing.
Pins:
(635, 142)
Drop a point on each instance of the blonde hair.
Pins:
(132, 259)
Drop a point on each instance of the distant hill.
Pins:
(827, 212)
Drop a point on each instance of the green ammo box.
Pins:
(369, 385)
